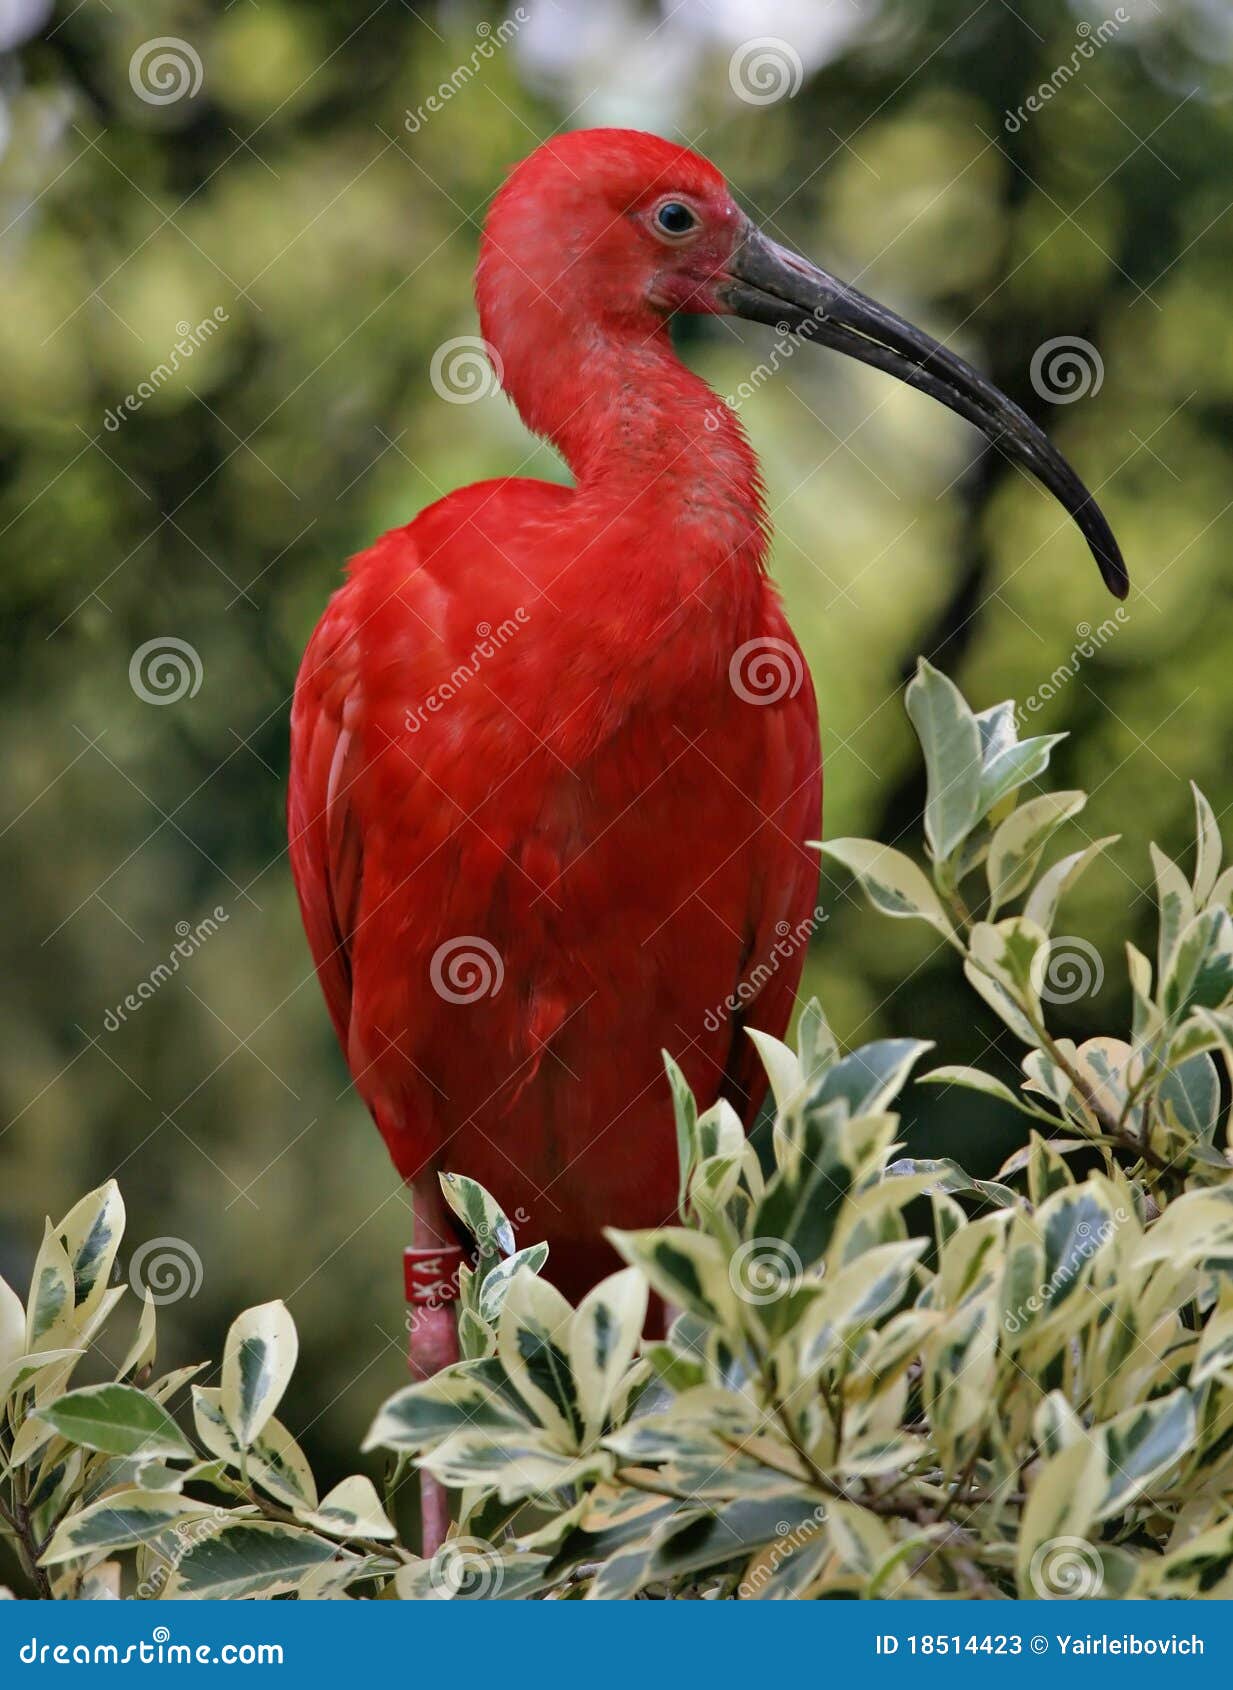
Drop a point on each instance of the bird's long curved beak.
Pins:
(770, 284)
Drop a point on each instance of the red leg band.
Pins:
(432, 1275)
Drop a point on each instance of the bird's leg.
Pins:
(431, 1268)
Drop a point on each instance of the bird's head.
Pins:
(608, 232)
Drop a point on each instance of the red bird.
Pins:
(555, 752)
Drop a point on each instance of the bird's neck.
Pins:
(657, 455)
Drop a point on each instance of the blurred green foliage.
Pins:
(333, 248)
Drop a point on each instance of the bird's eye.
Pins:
(674, 218)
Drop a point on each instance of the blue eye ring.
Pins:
(674, 219)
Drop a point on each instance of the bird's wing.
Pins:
(385, 786)
(326, 842)
(783, 908)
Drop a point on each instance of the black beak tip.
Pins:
(1115, 576)
(1106, 551)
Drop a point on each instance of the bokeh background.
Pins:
(252, 167)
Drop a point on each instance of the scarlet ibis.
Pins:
(555, 753)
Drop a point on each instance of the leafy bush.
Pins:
(87, 1473)
(885, 1379)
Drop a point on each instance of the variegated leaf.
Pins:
(782, 1068)
(603, 1336)
(1175, 905)
(12, 1326)
(1054, 1557)
(1019, 841)
(516, 1464)
(248, 1559)
(143, 1348)
(258, 1361)
(117, 1420)
(351, 1510)
(472, 1393)
(1043, 900)
(1142, 1445)
(951, 743)
(893, 884)
(1012, 767)
(275, 1460)
(119, 1521)
(685, 1267)
(49, 1312)
(1209, 848)
(91, 1232)
(496, 1282)
(533, 1345)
